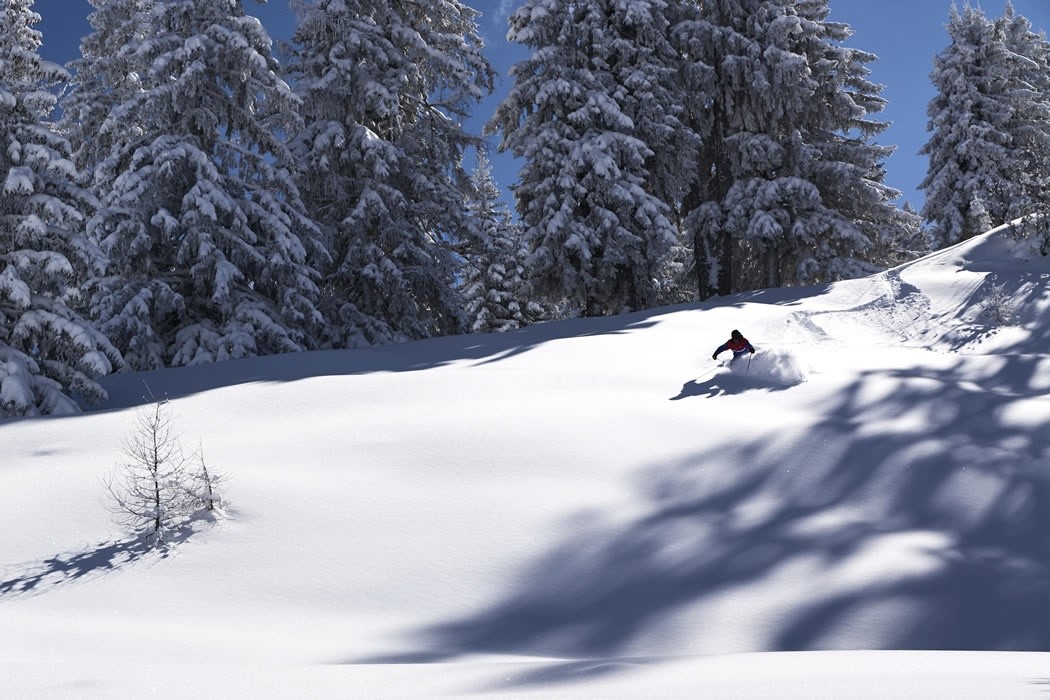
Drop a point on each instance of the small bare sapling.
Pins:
(206, 485)
(157, 489)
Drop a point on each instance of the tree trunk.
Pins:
(772, 275)
(726, 276)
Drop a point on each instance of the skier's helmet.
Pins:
(737, 334)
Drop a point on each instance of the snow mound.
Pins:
(776, 366)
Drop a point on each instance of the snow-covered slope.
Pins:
(580, 508)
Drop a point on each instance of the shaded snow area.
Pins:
(590, 508)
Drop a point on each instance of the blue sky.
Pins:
(905, 34)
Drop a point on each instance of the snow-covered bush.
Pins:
(998, 308)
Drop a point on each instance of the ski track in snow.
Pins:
(935, 303)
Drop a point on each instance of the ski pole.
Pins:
(748, 370)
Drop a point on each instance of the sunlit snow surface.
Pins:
(591, 508)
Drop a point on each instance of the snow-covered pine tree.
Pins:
(211, 255)
(676, 171)
(1029, 92)
(385, 90)
(967, 122)
(989, 102)
(792, 187)
(48, 353)
(493, 277)
(590, 113)
(912, 242)
(856, 228)
(106, 75)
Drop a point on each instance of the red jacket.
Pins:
(738, 345)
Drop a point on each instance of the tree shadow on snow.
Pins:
(70, 567)
(916, 521)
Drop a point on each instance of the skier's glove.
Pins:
(715, 356)
(752, 351)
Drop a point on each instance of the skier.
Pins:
(737, 343)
